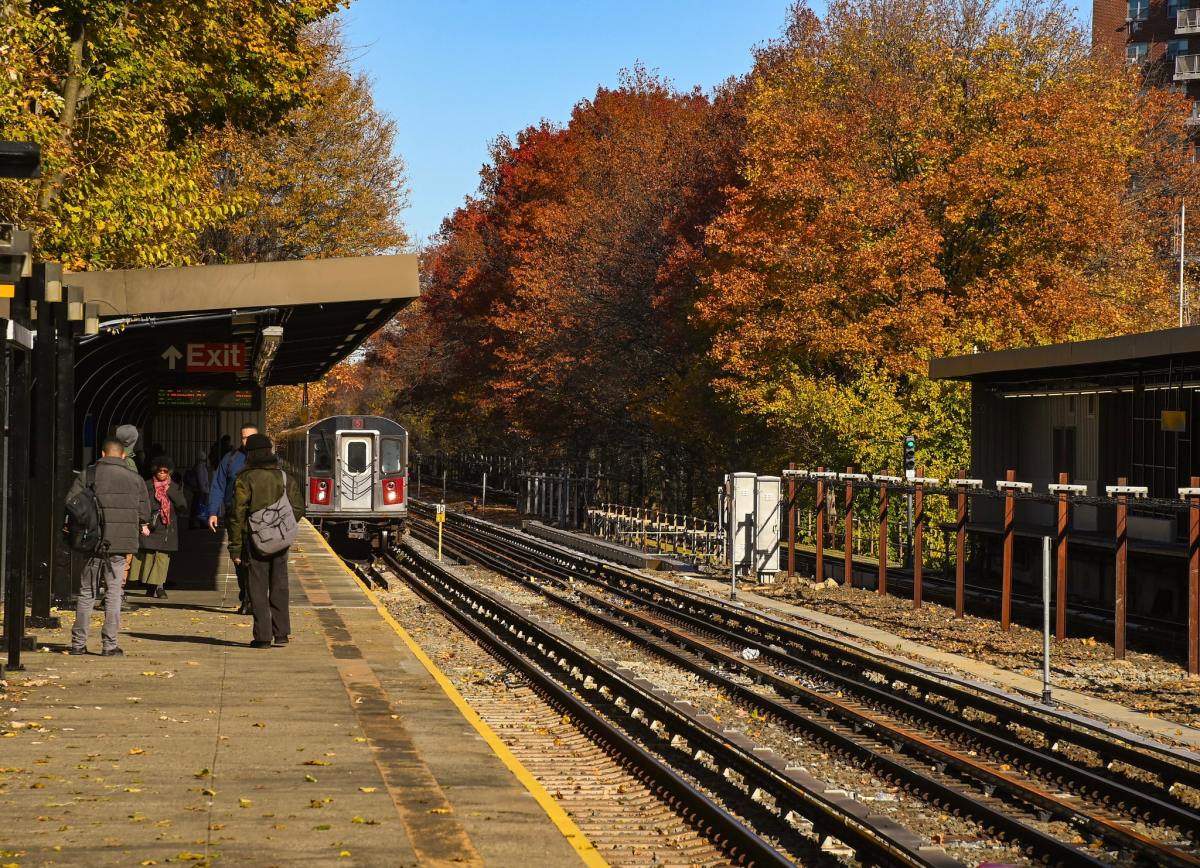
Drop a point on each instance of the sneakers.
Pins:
(257, 644)
(112, 652)
(160, 592)
(76, 651)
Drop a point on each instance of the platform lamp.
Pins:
(91, 319)
(75, 311)
(272, 337)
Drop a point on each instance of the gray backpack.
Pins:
(273, 528)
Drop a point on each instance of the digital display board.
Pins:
(201, 396)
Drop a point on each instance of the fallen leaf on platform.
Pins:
(185, 856)
(358, 820)
(210, 793)
(244, 803)
(136, 751)
(324, 827)
(260, 724)
(150, 674)
(359, 738)
(345, 854)
(440, 811)
(148, 862)
(133, 789)
(367, 789)
(215, 827)
(315, 762)
(310, 779)
(203, 773)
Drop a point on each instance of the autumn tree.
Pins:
(922, 178)
(119, 96)
(325, 182)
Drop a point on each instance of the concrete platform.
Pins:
(345, 747)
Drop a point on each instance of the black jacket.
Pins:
(164, 538)
(123, 503)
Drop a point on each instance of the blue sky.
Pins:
(456, 73)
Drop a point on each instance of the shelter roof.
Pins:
(1147, 351)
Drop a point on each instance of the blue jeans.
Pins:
(103, 572)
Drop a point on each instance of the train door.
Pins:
(357, 472)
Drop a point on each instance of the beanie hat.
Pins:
(128, 435)
(258, 441)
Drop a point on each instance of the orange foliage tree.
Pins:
(923, 178)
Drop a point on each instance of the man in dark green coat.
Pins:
(260, 484)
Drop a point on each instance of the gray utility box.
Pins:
(753, 523)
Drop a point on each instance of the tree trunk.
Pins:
(71, 98)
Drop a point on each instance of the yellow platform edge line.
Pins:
(574, 835)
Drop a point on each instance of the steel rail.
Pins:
(1171, 766)
(1044, 766)
(727, 758)
(1041, 844)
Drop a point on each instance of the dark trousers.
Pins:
(268, 587)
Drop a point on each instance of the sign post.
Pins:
(1046, 620)
(441, 520)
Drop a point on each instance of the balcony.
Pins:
(1187, 67)
(1193, 119)
(1187, 21)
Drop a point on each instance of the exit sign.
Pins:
(206, 358)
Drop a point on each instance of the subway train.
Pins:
(353, 471)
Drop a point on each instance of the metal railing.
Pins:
(684, 536)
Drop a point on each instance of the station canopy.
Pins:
(213, 335)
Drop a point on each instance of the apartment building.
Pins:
(1163, 36)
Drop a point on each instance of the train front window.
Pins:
(391, 457)
(322, 458)
(356, 456)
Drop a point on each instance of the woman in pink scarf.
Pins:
(168, 502)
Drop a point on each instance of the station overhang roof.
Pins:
(326, 307)
(1128, 354)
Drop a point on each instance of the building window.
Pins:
(1176, 47)
(1173, 7)
(1135, 52)
(1138, 10)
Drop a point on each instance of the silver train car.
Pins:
(353, 471)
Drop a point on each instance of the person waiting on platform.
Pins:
(125, 514)
(198, 483)
(167, 503)
(259, 518)
(220, 502)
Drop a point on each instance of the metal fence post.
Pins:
(1121, 566)
(918, 537)
(820, 564)
(1194, 581)
(849, 518)
(960, 549)
(1060, 619)
(883, 538)
(1006, 569)
(791, 523)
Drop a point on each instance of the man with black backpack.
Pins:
(107, 510)
(262, 526)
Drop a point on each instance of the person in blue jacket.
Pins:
(220, 503)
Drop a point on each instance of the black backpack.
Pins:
(85, 518)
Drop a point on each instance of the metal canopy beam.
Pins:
(1138, 350)
(260, 284)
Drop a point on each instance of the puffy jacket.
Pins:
(220, 493)
(164, 537)
(258, 486)
(123, 503)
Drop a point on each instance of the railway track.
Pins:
(747, 800)
(992, 758)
